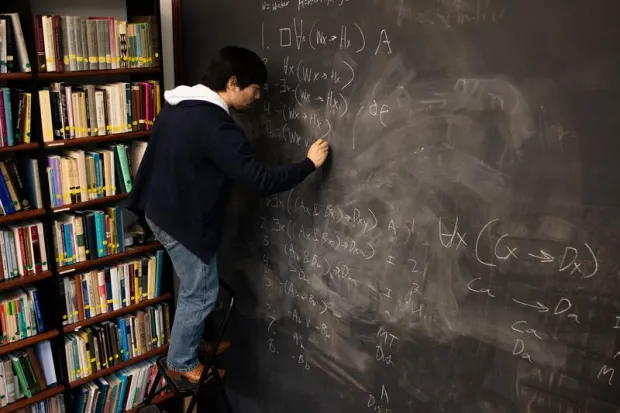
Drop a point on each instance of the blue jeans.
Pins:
(198, 289)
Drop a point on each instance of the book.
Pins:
(103, 290)
(87, 235)
(80, 176)
(20, 60)
(22, 250)
(118, 392)
(69, 111)
(20, 315)
(76, 43)
(110, 343)
(24, 372)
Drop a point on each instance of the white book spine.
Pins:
(48, 41)
(18, 35)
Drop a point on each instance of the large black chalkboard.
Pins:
(459, 251)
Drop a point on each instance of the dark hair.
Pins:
(235, 61)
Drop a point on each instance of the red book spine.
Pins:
(36, 247)
(132, 285)
(58, 50)
(20, 245)
(39, 42)
(4, 327)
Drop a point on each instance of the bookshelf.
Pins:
(126, 310)
(22, 216)
(23, 403)
(90, 204)
(15, 76)
(20, 148)
(119, 137)
(48, 281)
(28, 342)
(100, 262)
(99, 73)
(120, 366)
(23, 281)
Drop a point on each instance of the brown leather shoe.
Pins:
(206, 348)
(193, 376)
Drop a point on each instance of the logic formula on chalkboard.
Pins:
(458, 251)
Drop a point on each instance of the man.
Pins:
(195, 150)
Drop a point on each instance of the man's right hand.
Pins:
(318, 152)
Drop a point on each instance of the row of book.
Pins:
(86, 235)
(75, 43)
(20, 314)
(54, 404)
(15, 117)
(69, 111)
(19, 185)
(81, 176)
(118, 392)
(26, 373)
(13, 52)
(22, 250)
(108, 344)
(108, 289)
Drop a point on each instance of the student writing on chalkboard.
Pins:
(194, 151)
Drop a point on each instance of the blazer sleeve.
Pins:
(229, 149)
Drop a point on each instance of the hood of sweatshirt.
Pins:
(196, 92)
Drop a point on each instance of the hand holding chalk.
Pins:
(318, 152)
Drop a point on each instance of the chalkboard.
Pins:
(459, 251)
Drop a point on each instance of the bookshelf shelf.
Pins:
(21, 216)
(15, 76)
(120, 366)
(97, 73)
(96, 139)
(25, 402)
(99, 262)
(113, 314)
(22, 281)
(20, 148)
(157, 400)
(27, 342)
(90, 204)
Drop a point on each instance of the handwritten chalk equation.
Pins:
(273, 6)
(452, 14)
(304, 4)
(350, 37)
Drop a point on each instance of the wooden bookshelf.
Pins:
(49, 293)
(100, 262)
(25, 402)
(15, 76)
(117, 137)
(22, 216)
(157, 400)
(98, 73)
(120, 366)
(118, 313)
(27, 342)
(90, 204)
(20, 148)
(22, 281)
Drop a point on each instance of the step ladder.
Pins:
(210, 377)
